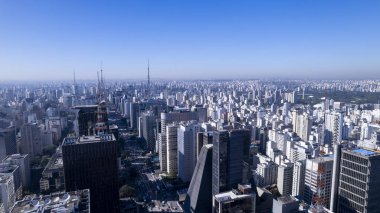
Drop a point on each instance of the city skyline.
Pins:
(48, 40)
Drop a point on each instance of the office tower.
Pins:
(13, 170)
(296, 151)
(187, 156)
(91, 163)
(333, 127)
(31, 140)
(199, 194)
(85, 119)
(172, 149)
(228, 158)
(34, 139)
(359, 181)
(7, 192)
(203, 138)
(22, 161)
(318, 181)
(242, 199)
(266, 173)
(149, 128)
(263, 137)
(167, 118)
(134, 114)
(76, 201)
(303, 126)
(8, 144)
(285, 178)
(295, 113)
(285, 204)
(298, 183)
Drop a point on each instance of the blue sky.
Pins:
(49, 39)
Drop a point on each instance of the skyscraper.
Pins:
(172, 149)
(187, 156)
(228, 158)
(303, 126)
(85, 119)
(199, 195)
(167, 118)
(8, 144)
(359, 181)
(298, 183)
(91, 163)
(318, 181)
(149, 128)
(285, 178)
(31, 140)
(333, 127)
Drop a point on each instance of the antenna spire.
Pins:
(74, 79)
(148, 76)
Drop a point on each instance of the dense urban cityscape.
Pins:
(201, 106)
(190, 146)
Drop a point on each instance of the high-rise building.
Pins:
(91, 163)
(266, 173)
(31, 140)
(285, 178)
(85, 119)
(359, 181)
(318, 181)
(7, 192)
(298, 183)
(203, 138)
(149, 128)
(167, 118)
(22, 161)
(13, 170)
(263, 137)
(7, 141)
(172, 149)
(228, 159)
(187, 155)
(333, 127)
(199, 194)
(303, 126)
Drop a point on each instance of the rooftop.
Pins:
(365, 152)
(230, 195)
(164, 206)
(287, 199)
(56, 202)
(88, 139)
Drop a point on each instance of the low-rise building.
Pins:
(241, 200)
(76, 201)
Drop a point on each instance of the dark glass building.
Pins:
(90, 162)
(86, 118)
(228, 159)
